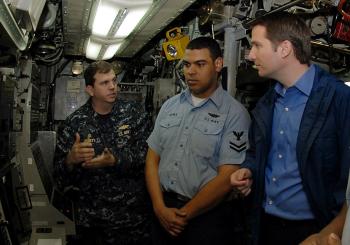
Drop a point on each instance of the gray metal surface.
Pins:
(47, 142)
(75, 25)
(70, 95)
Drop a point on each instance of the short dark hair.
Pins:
(206, 42)
(96, 67)
(283, 26)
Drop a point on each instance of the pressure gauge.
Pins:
(318, 25)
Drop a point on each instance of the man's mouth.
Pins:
(191, 81)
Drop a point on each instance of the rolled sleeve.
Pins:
(153, 141)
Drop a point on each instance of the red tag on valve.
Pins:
(342, 22)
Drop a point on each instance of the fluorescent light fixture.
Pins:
(93, 49)
(10, 25)
(112, 21)
(111, 50)
(131, 20)
(104, 18)
(347, 83)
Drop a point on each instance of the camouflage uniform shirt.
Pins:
(113, 198)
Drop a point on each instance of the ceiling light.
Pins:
(111, 50)
(77, 67)
(131, 20)
(110, 22)
(11, 27)
(104, 18)
(93, 49)
(101, 49)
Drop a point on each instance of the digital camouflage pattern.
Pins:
(113, 198)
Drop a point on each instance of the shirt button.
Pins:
(172, 182)
(281, 132)
(286, 109)
(175, 163)
(181, 145)
(186, 127)
(205, 130)
(274, 179)
(270, 202)
(280, 156)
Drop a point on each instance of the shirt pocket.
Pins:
(206, 136)
(169, 128)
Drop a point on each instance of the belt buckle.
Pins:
(182, 198)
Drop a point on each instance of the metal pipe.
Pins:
(279, 9)
(51, 16)
(230, 58)
(327, 46)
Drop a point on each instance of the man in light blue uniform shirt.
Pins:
(199, 140)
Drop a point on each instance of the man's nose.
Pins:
(113, 84)
(191, 69)
(251, 55)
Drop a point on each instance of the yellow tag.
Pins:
(123, 127)
(88, 139)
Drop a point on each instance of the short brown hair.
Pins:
(96, 67)
(285, 26)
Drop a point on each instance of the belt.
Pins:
(177, 196)
(277, 221)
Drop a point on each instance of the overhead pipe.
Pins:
(276, 10)
(261, 10)
(51, 15)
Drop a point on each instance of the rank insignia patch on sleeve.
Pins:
(238, 135)
(236, 144)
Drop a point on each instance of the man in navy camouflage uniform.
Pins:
(100, 152)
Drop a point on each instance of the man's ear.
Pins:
(90, 90)
(218, 64)
(286, 48)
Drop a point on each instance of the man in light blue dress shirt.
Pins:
(297, 165)
(199, 140)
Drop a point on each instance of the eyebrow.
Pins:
(113, 79)
(196, 61)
